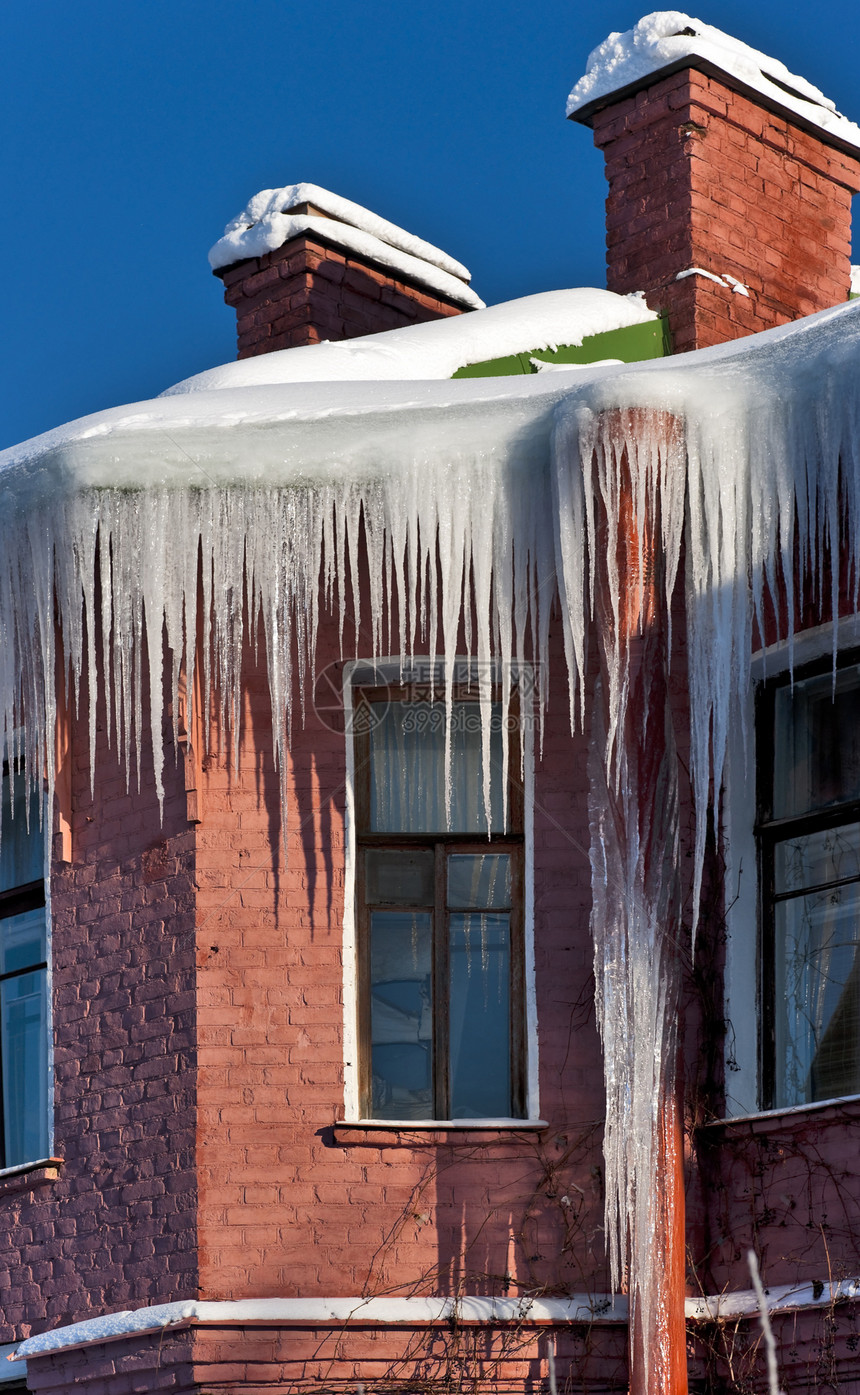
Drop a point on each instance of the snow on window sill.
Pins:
(765, 1116)
(24, 1175)
(442, 1125)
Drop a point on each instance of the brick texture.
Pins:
(117, 1228)
(290, 1207)
(308, 290)
(700, 176)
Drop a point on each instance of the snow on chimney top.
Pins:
(663, 42)
(275, 216)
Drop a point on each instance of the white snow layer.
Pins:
(587, 1308)
(662, 38)
(855, 280)
(321, 1312)
(271, 202)
(437, 348)
(513, 493)
(266, 223)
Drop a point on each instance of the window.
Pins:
(439, 910)
(23, 976)
(809, 848)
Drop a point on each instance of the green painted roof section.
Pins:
(631, 344)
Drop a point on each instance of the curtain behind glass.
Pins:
(407, 769)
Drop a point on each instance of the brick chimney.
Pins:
(300, 265)
(730, 180)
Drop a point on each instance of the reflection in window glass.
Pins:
(817, 964)
(22, 941)
(817, 743)
(401, 1014)
(479, 1023)
(23, 977)
(479, 880)
(22, 849)
(23, 1052)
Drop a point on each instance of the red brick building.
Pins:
(380, 724)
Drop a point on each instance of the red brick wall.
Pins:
(307, 291)
(509, 1358)
(290, 1206)
(118, 1226)
(147, 1365)
(701, 176)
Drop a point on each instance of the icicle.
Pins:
(739, 461)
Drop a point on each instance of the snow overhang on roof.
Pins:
(275, 216)
(438, 348)
(668, 40)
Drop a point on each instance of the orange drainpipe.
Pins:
(661, 1372)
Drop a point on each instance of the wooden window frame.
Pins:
(770, 832)
(443, 844)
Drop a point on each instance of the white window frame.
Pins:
(393, 669)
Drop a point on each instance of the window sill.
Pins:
(440, 1125)
(26, 1175)
(787, 1111)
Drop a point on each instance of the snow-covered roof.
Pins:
(663, 40)
(267, 222)
(296, 425)
(438, 348)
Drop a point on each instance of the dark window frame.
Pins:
(443, 844)
(770, 832)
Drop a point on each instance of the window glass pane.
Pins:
(818, 996)
(407, 769)
(479, 1022)
(829, 855)
(399, 878)
(479, 880)
(817, 743)
(401, 1014)
(22, 856)
(22, 941)
(23, 1050)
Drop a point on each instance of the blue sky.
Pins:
(132, 132)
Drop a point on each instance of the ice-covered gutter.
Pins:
(663, 40)
(438, 348)
(268, 221)
(583, 1308)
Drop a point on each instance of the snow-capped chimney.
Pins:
(730, 179)
(300, 265)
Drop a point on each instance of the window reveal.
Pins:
(440, 913)
(809, 837)
(23, 976)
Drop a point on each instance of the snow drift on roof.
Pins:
(267, 222)
(662, 38)
(437, 348)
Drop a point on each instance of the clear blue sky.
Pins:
(132, 130)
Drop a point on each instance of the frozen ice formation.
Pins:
(743, 459)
